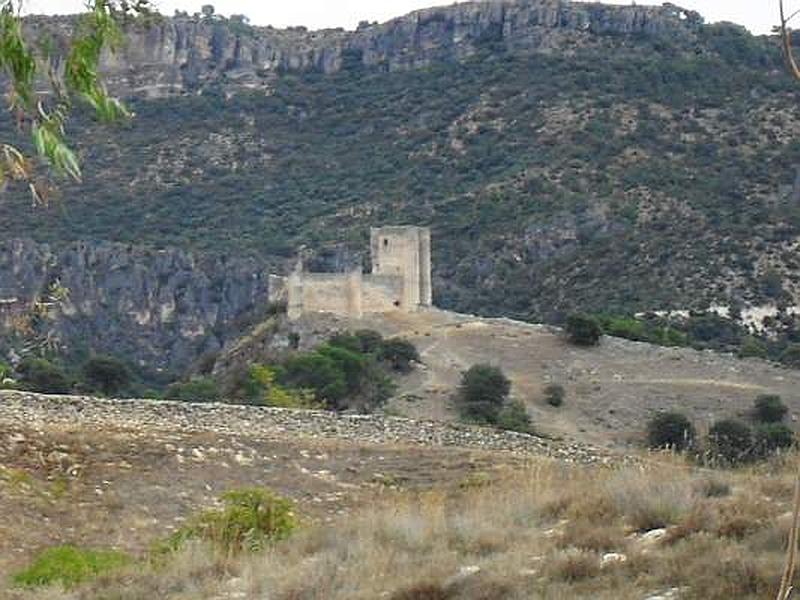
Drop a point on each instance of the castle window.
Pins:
(385, 243)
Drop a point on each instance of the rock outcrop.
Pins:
(184, 53)
(160, 308)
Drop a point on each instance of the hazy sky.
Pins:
(758, 15)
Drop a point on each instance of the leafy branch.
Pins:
(40, 96)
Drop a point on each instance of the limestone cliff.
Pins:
(159, 308)
(183, 53)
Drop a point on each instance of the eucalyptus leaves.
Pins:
(42, 86)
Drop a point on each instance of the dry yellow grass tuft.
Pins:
(549, 531)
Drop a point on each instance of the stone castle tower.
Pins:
(400, 280)
(404, 252)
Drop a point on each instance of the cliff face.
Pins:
(161, 309)
(183, 53)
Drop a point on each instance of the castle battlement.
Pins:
(400, 280)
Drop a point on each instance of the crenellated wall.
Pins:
(400, 279)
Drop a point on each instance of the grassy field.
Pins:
(542, 529)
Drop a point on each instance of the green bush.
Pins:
(399, 354)
(670, 430)
(198, 389)
(554, 395)
(249, 521)
(514, 417)
(317, 372)
(262, 388)
(583, 330)
(791, 356)
(40, 375)
(107, 374)
(69, 566)
(730, 441)
(483, 392)
(752, 347)
(772, 437)
(364, 341)
(769, 408)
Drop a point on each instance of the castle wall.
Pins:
(381, 293)
(325, 292)
(400, 279)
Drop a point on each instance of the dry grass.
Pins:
(545, 532)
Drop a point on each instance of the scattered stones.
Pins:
(613, 558)
(670, 594)
(28, 409)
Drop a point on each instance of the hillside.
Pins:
(611, 391)
(565, 155)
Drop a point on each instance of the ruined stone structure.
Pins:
(400, 279)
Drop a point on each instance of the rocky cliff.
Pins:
(158, 308)
(186, 52)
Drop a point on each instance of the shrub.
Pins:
(364, 341)
(107, 374)
(40, 375)
(369, 340)
(554, 395)
(484, 389)
(69, 566)
(752, 347)
(319, 373)
(399, 354)
(250, 520)
(772, 437)
(730, 441)
(583, 330)
(791, 356)
(262, 388)
(514, 417)
(198, 389)
(670, 430)
(769, 408)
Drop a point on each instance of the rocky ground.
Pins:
(127, 473)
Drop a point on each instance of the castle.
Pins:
(400, 280)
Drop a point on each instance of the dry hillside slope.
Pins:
(611, 390)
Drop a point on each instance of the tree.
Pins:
(40, 375)
(107, 374)
(772, 437)
(670, 430)
(786, 37)
(483, 391)
(198, 389)
(769, 408)
(730, 440)
(583, 330)
(399, 354)
(41, 97)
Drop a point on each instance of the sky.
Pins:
(757, 15)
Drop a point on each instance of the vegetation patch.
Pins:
(250, 520)
(69, 566)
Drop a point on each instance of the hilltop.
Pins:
(611, 391)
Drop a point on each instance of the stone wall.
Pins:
(325, 292)
(381, 294)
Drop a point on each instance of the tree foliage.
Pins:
(106, 373)
(483, 392)
(41, 95)
(670, 430)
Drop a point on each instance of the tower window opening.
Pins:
(385, 243)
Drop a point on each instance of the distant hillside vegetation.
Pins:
(611, 172)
